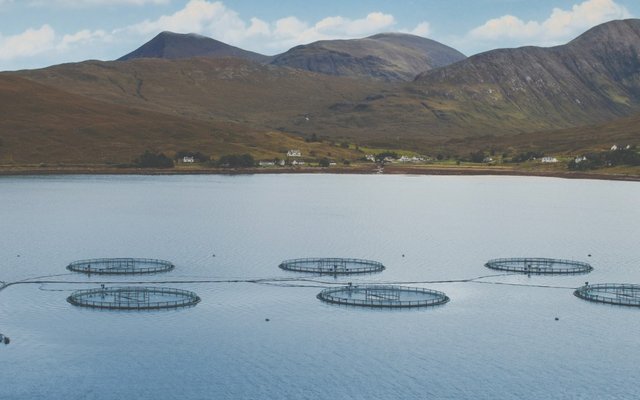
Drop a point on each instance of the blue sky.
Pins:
(38, 33)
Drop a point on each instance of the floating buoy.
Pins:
(589, 255)
(267, 319)
(403, 255)
(557, 319)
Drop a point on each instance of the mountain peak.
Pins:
(171, 45)
(386, 56)
(611, 31)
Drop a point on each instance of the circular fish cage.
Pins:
(133, 298)
(383, 296)
(622, 294)
(539, 266)
(333, 266)
(120, 266)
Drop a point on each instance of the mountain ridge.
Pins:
(491, 98)
(172, 45)
(386, 56)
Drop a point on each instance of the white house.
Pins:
(370, 157)
(266, 163)
(296, 162)
(614, 147)
(294, 153)
(580, 159)
(188, 159)
(549, 160)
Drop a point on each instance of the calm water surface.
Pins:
(492, 341)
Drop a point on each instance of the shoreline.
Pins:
(357, 170)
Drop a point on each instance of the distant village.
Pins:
(615, 155)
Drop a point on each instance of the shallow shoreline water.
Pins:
(392, 170)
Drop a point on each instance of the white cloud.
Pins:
(422, 29)
(28, 43)
(85, 3)
(206, 17)
(559, 27)
(213, 18)
(291, 31)
(82, 38)
(44, 41)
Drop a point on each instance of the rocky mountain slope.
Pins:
(174, 45)
(389, 56)
(592, 78)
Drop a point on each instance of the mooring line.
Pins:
(525, 285)
(276, 281)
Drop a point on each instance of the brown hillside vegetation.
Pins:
(240, 91)
(571, 141)
(40, 124)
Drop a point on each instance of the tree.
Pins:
(324, 162)
(381, 156)
(237, 161)
(150, 159)
(477, 157)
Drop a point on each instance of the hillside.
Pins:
(262, 96)
(171, 45)
(389, 56)
(591, 79)
(40, 124)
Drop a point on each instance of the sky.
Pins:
(39, 33)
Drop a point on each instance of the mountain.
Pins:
(591, 79)
(387, 56)
(502, 98)
(175, 45)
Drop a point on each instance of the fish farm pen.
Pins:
(120, 266)
(623, 294)
(539, 266)
(383, 296)
(342, 266)
(133, 298)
